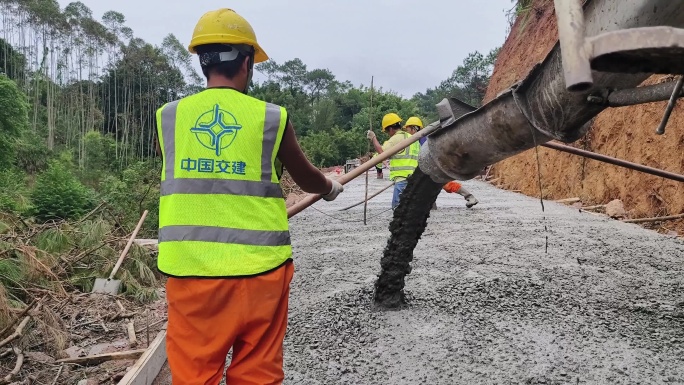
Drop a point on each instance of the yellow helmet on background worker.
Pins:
(225, 26)
(414, 121)
(389, 120)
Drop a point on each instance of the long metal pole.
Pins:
(369, 198)
(353, 174)
(370, 127)
(670, 106)
(615, 161)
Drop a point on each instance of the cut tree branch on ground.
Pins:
(100, 358)
(17, 367)
(18, 317)
(656, 219)
(17, 333)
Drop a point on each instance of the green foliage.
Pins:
(32, 155)
(12, 63)
(13, 191)
(13, 119)
(467, 83)
(99, 152)
(334, 147)
(57, 195)
(135, 190)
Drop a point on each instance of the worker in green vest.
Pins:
(413, 125)
(403, 163)
(378, 167)
(224, 238)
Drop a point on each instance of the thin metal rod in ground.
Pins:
(615, 161)
(670, 105)
(368, 197)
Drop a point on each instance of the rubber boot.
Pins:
(470, 198)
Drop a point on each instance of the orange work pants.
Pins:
(452, 187)
(209, 316)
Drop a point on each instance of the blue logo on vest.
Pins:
(216, 129)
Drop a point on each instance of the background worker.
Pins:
(403, 163)
(378, 167)
(224, 238)
(413, 125)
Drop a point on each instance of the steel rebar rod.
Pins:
(670, 106)
(640, 95)
(615, 161)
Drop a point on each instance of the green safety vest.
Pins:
(221, 211)
(379, 165)
(405, 162)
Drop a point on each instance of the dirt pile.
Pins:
(626, 133)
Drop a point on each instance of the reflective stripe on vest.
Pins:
(404, 163)
(221, 210)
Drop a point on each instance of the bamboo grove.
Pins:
(85, 76)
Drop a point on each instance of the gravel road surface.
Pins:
(490, 301)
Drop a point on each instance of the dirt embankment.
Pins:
(626, 133)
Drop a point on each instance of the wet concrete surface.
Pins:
(485, 303)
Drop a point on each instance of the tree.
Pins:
(468, 83)
(13, 119)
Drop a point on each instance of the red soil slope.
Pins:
(627, 133)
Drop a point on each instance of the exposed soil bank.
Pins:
(626, 133)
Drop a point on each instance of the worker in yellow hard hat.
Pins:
(413, 125)
(224, 240)
(401, 164)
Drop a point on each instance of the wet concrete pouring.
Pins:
(484, 302)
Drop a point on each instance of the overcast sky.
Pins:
(407, 45)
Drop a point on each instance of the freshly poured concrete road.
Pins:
(488, 304)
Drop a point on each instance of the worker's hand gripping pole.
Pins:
(346, 178)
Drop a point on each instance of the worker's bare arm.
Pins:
(308, 177)
(377, 145)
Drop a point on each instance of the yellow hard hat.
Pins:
(414, 121)
(389, 120)
(225, 26)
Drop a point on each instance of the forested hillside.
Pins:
(78, 93)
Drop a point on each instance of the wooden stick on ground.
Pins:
(568, 200)
(150, 363)
(17, 333)
(130, 326)
(59, 373)
(17, 367)
(100, 358)
(23, 313)
(645, 220)
(593, 207)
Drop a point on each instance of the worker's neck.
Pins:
(219, 81)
